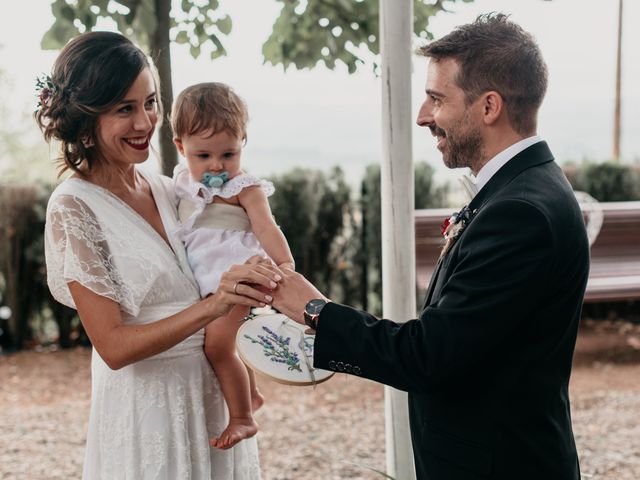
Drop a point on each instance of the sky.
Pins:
(319, 118)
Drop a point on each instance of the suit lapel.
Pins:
(432, 283)
(536, 154)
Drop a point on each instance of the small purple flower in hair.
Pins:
(45, 89)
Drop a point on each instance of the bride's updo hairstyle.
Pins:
(92, 74)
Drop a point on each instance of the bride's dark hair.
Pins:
(91, 75)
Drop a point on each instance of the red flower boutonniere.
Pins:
(452, 227)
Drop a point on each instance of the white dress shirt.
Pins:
(496, 163)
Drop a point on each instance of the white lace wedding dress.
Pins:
(151, 420)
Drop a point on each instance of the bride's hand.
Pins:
(249, 284)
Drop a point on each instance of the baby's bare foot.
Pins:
(257, 400)
(238, 429)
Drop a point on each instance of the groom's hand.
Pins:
(293, 293)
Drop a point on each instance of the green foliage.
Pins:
(306, 32)
(192, 22)
(606, 181)
(311, 206)
(327, 31)
(22, 267)
(427, 195)
(24, 157)
(151, 24)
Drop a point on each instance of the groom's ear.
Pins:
(178, 143)
(492, 106)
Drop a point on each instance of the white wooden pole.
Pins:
(616, 115)
(398, 229)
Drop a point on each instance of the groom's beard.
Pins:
(463, 145)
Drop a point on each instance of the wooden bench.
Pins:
(615, 254)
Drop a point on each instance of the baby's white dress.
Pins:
(216, 235)
(151, 420)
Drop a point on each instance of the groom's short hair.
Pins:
(496, 54)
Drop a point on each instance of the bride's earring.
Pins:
(87, 141)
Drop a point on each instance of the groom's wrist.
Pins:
(312, 310)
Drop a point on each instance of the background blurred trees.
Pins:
(23, 285)
(329, 31)
(606, 181)
(153, 25)
(333, 234)
(306, 33)
(313, 209)
(427, 195)
(333, 230)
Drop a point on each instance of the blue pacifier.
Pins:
(215, 181)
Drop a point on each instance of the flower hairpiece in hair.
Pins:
(45, 88)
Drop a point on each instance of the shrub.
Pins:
(427, 195)
(311, 207)
(606, 182)
(22, 268)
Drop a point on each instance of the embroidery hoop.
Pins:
(254, 352)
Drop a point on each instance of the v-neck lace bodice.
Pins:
(95, 238)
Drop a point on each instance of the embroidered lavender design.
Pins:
(276, 348)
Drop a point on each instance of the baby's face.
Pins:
(215, 153)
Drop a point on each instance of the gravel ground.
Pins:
(334, 431)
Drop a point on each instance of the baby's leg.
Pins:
(257, 400)
(219, 346)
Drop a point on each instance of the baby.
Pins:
(225, 219)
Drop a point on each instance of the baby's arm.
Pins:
(255, 203)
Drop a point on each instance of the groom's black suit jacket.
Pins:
(487, 362)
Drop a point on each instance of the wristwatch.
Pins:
(312, 311)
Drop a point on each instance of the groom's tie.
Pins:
(469, 185)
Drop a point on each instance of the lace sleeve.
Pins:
(76, 249)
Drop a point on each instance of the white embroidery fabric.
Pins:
(150, 420)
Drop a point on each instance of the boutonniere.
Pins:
(454, 226)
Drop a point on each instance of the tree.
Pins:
(311, 207)
(606, 181)
(23, 285)
(427, 195)
(327, 31)
(152, 24)
(305, 33)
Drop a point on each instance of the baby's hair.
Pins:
(209, 107)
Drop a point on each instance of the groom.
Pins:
(487, 362)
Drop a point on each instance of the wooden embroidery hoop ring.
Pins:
(253, 357)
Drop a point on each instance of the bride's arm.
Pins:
(120, 345)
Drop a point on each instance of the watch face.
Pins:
(314, 306)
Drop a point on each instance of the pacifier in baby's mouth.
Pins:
(211, 180)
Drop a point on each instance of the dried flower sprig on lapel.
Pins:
(454, 226)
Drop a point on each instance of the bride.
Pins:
(111, 255)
